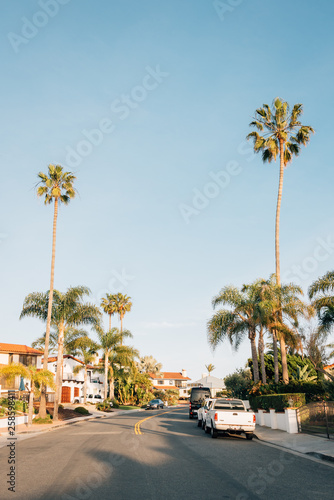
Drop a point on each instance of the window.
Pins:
(27, 360)
(160, 382)
(171, 382)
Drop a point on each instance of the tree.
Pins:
(317, 350)
(238, 383)
(122, 305)
(70, 334)
(210, 367)
(55, 186)
(87, 350)
(321, 294)
(37, 379)
(283, 136)
(148, 364)
(233, 324)
(280, 308)
(110, 342)
(108, 305)
(68, 310)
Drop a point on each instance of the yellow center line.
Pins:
(137, 425)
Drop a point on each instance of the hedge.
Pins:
(277, 401)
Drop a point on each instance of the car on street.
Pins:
(231, 416)
(201, 413)
(197, 396)
(155, 404)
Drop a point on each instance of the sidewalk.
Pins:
(315, 446)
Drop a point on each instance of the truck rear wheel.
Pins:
(206, 428)
(214, 432)
(199, 423)
(249, 436)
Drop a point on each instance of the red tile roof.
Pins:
(168, 375)
(329, 366)
(54, 358)
(18, 349)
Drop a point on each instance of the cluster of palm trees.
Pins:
(267, 306)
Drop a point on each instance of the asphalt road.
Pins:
(165, 457)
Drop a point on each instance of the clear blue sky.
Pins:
(173, 86)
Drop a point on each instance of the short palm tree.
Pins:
(37, 379)
(56, 186)
(87, 350)
(70, 334)
(148, 364)
(283, 136)
(242, 318)
(68, 310)
(110, 342)
(280, 309)
(321, 294)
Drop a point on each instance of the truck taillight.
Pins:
(189, 405)
(216, 416)
(254, 419)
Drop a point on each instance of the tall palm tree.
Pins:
(87, 350)
(68, 310)
(210, 367)
(55, 186)
(123, 304)
(283, 136)
(242, 318)
(321, 294)
(36, 377)
(108, 305)
(110, 342)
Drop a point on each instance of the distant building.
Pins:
(215, 384)
(171, 380)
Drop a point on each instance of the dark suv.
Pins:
(197, 396)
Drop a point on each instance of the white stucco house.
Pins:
(17, 353)
(171, 380)
(73, 384)
(215, 384)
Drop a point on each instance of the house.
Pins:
(215, 384)
(330, 370)
(171, 380)
(73, 384)
(17, 353)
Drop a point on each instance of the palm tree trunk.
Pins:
(285, 373)
(261, 354)
(275, 357)
(31, 403)
(109, 322)
(106, 362)
(42, 407)
(111, 383)
(59, 373)
(121, 316)
(85, 385)
(256, 376)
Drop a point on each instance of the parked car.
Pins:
(197, 396)
(155, 404)
(90, 398)
(229, 415)
(201, 413)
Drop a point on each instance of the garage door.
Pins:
(66, 395)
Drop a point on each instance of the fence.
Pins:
(317, 418)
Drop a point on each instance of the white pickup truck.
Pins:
(229, 415)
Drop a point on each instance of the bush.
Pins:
(81, 410)
(46, 420)
(239, 383)
(277, 401)
(105, 405)
(60, 407)
(314, 391)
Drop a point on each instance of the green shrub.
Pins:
(277, 401)
(81, 410)
(60, 407)
(46, 420)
